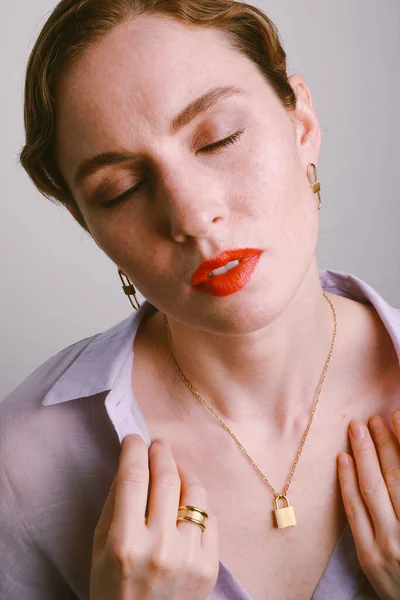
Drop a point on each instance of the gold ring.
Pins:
(193, 514)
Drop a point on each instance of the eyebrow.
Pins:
(202, 104)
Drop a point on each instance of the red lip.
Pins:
(231, 282)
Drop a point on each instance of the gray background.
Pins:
(57, 285)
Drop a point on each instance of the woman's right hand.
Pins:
(158, 558)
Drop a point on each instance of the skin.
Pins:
(194, 205)
(370, 486)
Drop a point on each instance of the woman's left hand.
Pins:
(370, 487)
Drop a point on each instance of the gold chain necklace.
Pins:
(285, 517)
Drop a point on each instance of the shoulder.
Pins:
(22, 416)
(56, 465)
(367, 352)
(37, 440)
(26, 427)
(367, 319)
(57, 461)
(34, 387)
(77, 366)
(51, 398)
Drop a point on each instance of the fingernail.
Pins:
(160, 442)
(358, 431)
(133, 436)
(377, 424)
(396, 416)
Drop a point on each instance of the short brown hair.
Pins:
(76, 24)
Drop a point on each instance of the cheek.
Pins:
(277, 196)
(116, 240)
(137, 250)
(271, 191)
(265, 177)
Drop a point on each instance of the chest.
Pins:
(270, 563)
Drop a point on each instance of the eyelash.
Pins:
(232, 139)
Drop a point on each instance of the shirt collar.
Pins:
(99, 367)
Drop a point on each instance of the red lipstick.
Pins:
(228, 282)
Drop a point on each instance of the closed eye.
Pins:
(232, 139)
(127, 194)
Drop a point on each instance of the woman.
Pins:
(172, 133)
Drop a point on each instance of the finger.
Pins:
(103, 525)
(193, 493)
(372, 485)
(396, 423)
(354, 505)
(132, 482)
(388, 449)
(165, 488)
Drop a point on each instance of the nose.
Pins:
(195, 203)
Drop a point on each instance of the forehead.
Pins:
(137, 77)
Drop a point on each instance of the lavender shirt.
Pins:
(60, 437)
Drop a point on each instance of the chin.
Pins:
(238, 313)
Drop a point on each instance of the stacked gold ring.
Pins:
(193, 514)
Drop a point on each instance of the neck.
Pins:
(267, 376)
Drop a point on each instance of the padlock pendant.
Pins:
(285, 517)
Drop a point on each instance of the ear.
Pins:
(307, 127)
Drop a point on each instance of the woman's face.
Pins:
(194, 199)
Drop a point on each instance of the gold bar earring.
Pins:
(129, 289)
(315, 185)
